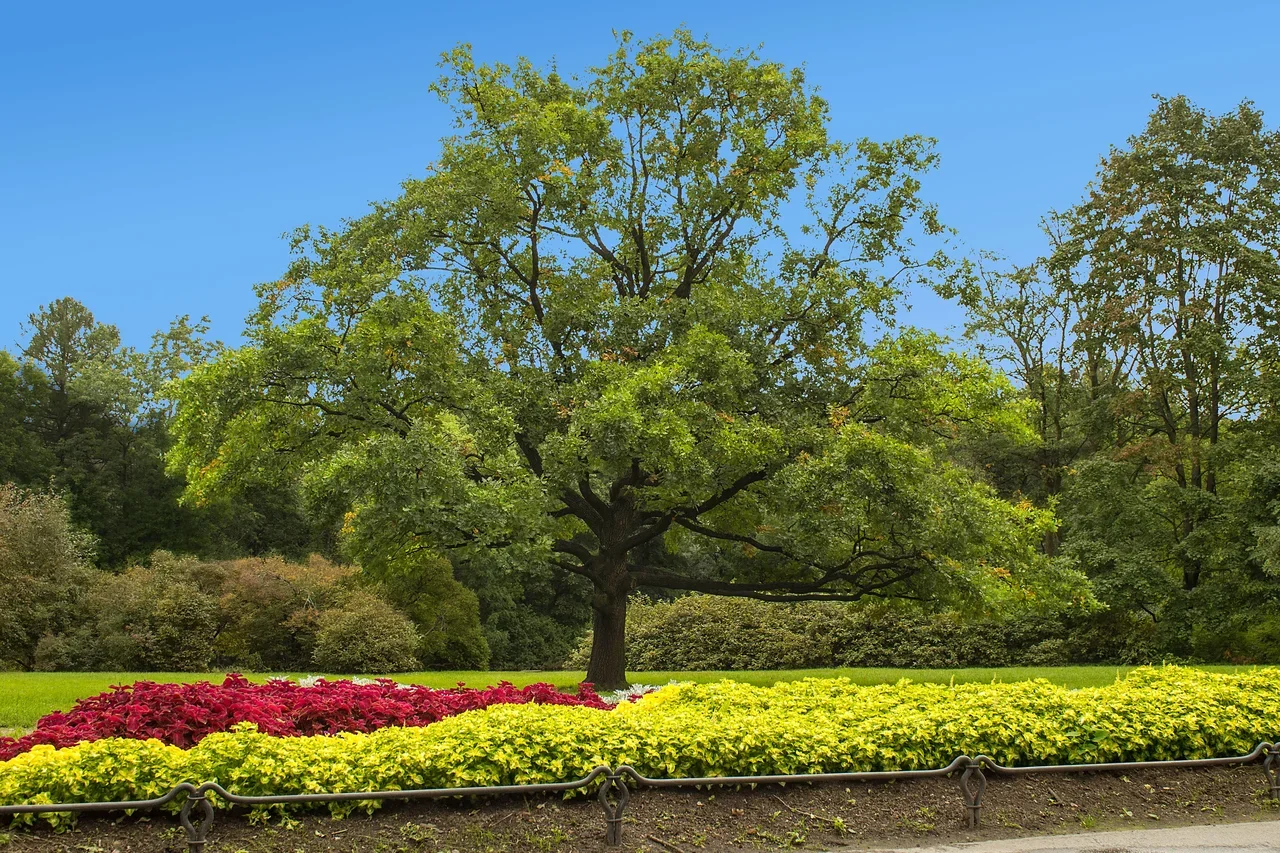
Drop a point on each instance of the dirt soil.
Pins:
(816, 817)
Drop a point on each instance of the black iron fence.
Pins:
(615, 784)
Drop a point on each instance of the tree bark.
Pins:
(608, 667)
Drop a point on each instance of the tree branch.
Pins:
(566, 546)
(778, 591)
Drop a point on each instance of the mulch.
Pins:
(770, 817)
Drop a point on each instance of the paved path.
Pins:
(1225, 838)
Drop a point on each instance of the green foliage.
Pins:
(161, 616)
(1176, 257)
(445, 613)
(535, 359)
(253, 614)
(708, 633)
(365, 635)
(726, 728)
(268, 609)
(698, 632)
(521, 638)
(44, 565)
(101, 423)
(24, 395)
(533, 623)
(90, 416)
(1146, 343)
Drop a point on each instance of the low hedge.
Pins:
(727, 728)
(708, 632)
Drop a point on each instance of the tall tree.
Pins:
(1041, 332)
(1177, 248)
(24, 397)
(89, 417)
(590, 338)
(64, 340)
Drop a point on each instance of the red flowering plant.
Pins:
(182, 714)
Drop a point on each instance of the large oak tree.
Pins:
(636, 327)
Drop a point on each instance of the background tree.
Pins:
(1024, 324)
(1179, 240)
(24, 393)
(103, 420)
(1145, 342)
(89, 417)
(588, 339)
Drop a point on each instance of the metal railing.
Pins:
(616, 783)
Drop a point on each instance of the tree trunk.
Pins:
(1191, 565)
(1190, 577)
(608, 667)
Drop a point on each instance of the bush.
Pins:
(268, 608)
(728, 728)
(365, 635)
(184, 614)
(159, 617)
(43, 571)
(521, 638)
(707, 632)
(445, 613)
(703, 632)
(533, 616)
(184, 714)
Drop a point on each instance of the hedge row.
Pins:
(728, 728)
(708, 632)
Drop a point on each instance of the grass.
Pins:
(27, 696)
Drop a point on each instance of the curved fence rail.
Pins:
(615, 785)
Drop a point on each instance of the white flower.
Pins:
(634, 692)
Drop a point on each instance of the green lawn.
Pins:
(26, 696)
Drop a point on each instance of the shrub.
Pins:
(267, 607)
(706, 632)
(365, 635)
(533, 616)
(162, 616)
(177, 613)
(701, 632)
(521, 638)
(184, 714)
(445, 613)
(43, 570)
(184, 614)
(729, 728)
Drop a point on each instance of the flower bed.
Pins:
(183, 714)
(729, 728)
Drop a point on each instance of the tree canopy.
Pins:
(1146, 337)
(637, 327)
(640, 330)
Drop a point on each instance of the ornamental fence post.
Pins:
(613, 810)
(973, 784)
(1271, 766)
(197, 830)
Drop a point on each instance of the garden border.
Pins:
(614, 793)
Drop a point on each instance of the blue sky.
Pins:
(151, 156)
